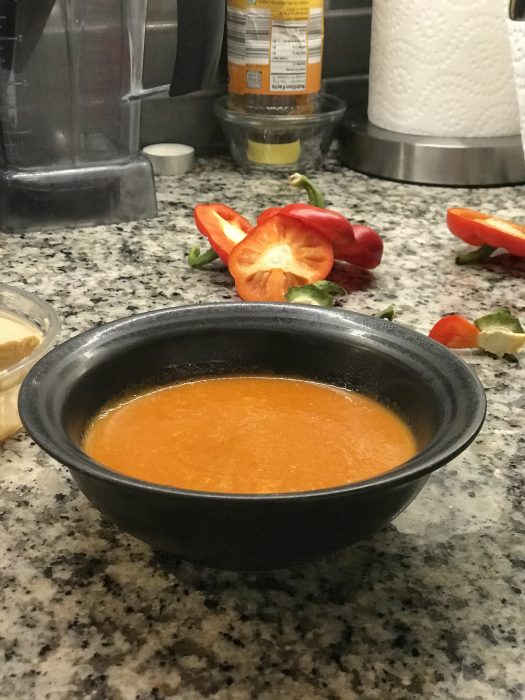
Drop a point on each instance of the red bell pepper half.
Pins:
(359, 245)
(222, 226)
(279, 253)
(370, 248)
(489, 232)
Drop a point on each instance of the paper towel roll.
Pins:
(517, 44)
(442, 68)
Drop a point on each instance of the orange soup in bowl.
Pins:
(249, 435)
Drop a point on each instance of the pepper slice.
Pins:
(330, 223)
(364, 249)
(222, 226)
(456, 332)
(279, 253)
(463, 224)
(479, 229)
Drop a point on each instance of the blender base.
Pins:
(39, 200)
(426, 160)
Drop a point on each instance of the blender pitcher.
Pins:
(70, 99)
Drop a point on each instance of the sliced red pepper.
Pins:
(268, 213)
(370, 248)
(222, 226)
(462, 223)
(279, 253)
(479, 229)
(364, 250)
(455, 331)
(330, 223)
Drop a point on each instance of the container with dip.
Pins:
(28, 329)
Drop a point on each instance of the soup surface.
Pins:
(250, 435)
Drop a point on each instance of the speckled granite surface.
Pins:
(433, 607)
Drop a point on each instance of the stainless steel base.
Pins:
(456, 162)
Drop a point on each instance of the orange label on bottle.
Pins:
(275, 46)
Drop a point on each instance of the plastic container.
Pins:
(27, 307)
(262, 143)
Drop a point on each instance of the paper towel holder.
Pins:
(426, 160)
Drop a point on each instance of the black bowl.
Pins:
(434, 390)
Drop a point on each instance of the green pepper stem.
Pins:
(304, 183)
(475, 256)
(387, 313)
(195, 259)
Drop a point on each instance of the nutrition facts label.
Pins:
(289, 56)
(275, 52)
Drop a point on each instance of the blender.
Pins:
(70, 103)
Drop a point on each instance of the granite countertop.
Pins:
(431, 607)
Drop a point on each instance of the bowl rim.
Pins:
(421, 465)
(336, 109)
(49, 336)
